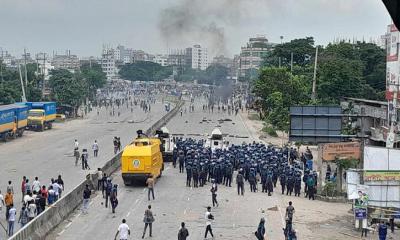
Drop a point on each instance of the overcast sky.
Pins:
(83, 26)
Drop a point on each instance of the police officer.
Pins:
(240, 182)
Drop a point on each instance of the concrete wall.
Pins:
(39, 227)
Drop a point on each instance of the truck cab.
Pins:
(41, 115)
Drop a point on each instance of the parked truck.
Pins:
(41, 115)
(13, 121)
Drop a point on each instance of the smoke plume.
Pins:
(201, 22)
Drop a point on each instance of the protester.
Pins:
(183, 232)
(148, 221)
(123, 231)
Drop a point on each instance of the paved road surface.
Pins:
(47, 154)
(235, 218)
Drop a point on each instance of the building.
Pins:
(228, 63)
(199, 57)
(108, 63)
(371, 120)
(6, 58)
(140, 55)
(251, 56)
(161, 59)
(68, 62)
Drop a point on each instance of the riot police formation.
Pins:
(255, 163)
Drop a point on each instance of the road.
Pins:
(174, 202)
(236, 217)
(50, 153)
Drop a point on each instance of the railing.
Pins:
(40, 226)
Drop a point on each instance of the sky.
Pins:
(84, 26)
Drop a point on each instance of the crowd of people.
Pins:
(259, 165)
(35, 197)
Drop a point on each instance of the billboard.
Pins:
(342, 150)
(392, 61)
(315, 124)
(382, 175)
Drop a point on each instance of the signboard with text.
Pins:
(347, 150)
(382, 175)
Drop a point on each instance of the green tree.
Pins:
(278, 114)
(303, 52)
(145, 71)
(94, 76)
(68, 88)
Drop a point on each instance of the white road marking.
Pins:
(129, 213)
(60, 233)
(137, 200)
(188, 198)
(184, 212)
(67, 226)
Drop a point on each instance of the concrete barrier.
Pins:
(40, 226)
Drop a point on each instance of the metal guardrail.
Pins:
(49, 219)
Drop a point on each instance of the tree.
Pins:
(94, 76)
(145, 71)
(279, 90)
(278, 115)
(303, 52)
(68, 88)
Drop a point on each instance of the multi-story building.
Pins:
(108, 63)
(251, 56)
(161, 59)
(199, 57)
(6, 58)
(68, 61)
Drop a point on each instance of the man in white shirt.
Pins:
(123, 231)
(209, 217)
(57, 188)
(27, 199)
(95, 148)
(76, 145)
(31, 210)
(36, 185)
(11, 220)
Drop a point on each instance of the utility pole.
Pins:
(26, 72)
(279, 64)
(22, 84)
(314, 83)
(291, 62)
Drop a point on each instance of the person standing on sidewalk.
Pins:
(183, 232)
(95, 148)
(123, 231)
(150, 187)
(148, 221)
(209, 217)
(382, 230)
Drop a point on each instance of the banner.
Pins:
(360, 213)
(382, 175)
(333, 151)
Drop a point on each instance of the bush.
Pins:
(270, 131)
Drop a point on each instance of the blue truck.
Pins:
(41, 115)
(13, 120)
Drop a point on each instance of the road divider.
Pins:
(40, 226)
